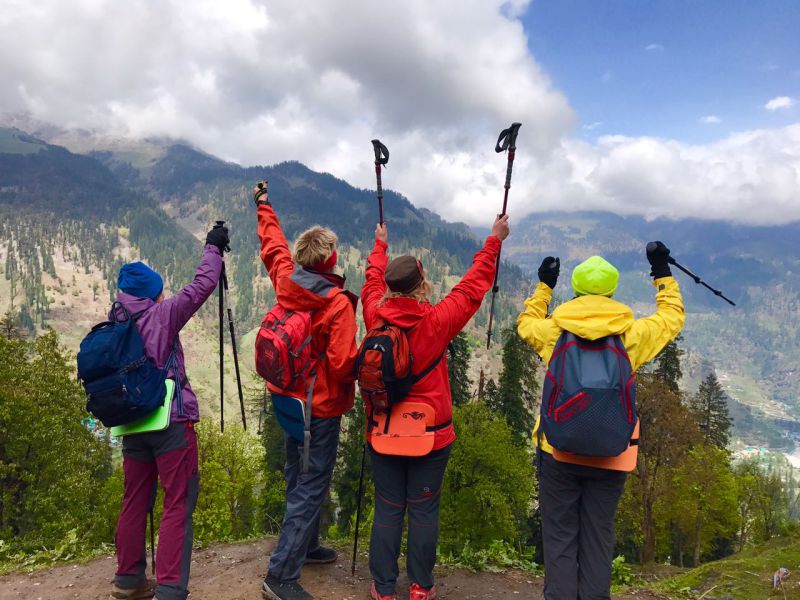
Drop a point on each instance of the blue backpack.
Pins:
(589, 397)
(122, 383)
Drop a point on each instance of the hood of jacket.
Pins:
(593, 317)
(132, 304)
(307, 291)
(403, 312)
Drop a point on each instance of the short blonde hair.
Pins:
(421, 293)
(314, 245)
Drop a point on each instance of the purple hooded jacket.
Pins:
(161, 323)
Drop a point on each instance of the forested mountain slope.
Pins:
(109, 200)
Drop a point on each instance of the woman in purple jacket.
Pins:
(171, 454)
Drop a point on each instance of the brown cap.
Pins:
(404, 274)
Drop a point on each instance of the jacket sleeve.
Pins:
(342, 349)
(179, 308)
(648, 336)
(457, 308)
(275, 252)
(374, 284)
(533, 326)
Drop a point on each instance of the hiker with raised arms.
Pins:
(587, 432)
(313, 296)
(402, 373)
(170, 454)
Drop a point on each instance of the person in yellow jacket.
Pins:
(578, 495)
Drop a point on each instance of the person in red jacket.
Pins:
(307, 282)
(413, 483)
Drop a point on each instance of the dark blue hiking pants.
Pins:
(305, 494)
(413, 484)
(577, 506)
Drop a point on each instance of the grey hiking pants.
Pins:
(413, 483)
(305, 494)
(577, 505)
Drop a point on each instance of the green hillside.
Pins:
(743, 576)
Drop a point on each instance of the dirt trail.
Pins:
(234, 572)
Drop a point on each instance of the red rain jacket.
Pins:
(432, 327)
(333, 320)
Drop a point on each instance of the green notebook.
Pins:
(158, 420)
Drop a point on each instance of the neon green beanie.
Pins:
(595, 276)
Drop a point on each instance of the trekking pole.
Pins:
(221, 310)
(381, 158)
(358, 508)
(672, 261)
(152, 543)
(506, 141)
(223, 277)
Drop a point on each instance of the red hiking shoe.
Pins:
(373, 593)
(416, 592)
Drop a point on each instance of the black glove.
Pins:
(658, 256)
(260, 194)
(218, 236)
(549, 271)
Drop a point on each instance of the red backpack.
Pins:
(383, 366)
(283, 347)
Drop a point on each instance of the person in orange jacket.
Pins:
(414, 482)
(306, 281)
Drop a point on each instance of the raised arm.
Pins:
(375, 285)
(648, 336)
(464, 300)
(275, 252)
(533, 326)
(180, 307)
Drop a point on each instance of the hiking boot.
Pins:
(373, 593)
(321, 556)
(146, 590)
(416, 592)
(272, 589)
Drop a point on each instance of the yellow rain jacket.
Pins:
(594, 317)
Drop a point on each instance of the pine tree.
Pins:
(668, 364)
(710, 406)
(517, 386)
(458, 368)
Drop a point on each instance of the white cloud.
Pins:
(264, 81)
(779, 103)
(592, 126)
(654, 48)
(710, 120)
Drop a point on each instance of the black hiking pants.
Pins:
(406, 483)
(577, 506)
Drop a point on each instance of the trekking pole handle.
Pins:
(219, 223)
(381, 159)
(508, 138)
(381, 152)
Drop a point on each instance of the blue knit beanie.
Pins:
(137, 279)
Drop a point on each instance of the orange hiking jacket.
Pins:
(431, 327)
(333, 320)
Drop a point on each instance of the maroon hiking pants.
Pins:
(169, 455)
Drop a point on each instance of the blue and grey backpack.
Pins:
(589, 397)
(122, 383)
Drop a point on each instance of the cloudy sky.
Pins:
(663, 108)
